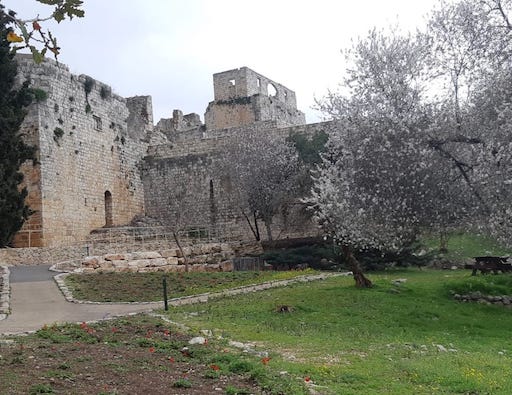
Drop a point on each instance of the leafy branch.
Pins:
(30, 34)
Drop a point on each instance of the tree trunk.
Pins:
(355, 267)
(268, 226)
(258, 237)
(176, 239)
(254, 229)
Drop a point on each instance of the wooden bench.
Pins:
(487, 264)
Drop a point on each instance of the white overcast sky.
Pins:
(169, 49)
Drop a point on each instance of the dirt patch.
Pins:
(136, 355)
(147, 287)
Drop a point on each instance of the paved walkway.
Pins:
(36, 300)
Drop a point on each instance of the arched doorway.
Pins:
(108, 209)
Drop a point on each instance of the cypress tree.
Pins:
(13, 151)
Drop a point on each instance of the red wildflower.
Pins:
(151, 349)
(167, 332)
(171, 360)
(215, 367)
(307, 379)
(265, 360)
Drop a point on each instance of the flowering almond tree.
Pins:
(423, 141)
(265, 174)
(380, 183)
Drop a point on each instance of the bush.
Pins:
(289, 258)
(488, 285)
(326, 257)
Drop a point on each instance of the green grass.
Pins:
(386, 340)
(463, 246)
(133, 287)
(487, 285)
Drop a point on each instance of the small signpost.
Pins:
(164, 283)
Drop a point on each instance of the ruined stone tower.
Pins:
(243, 97)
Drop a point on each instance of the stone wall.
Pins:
(90, 172)
(190, 174)
(199, 258)
(89, 143)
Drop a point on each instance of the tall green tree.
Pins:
(13, 150)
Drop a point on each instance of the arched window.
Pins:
(108, 209)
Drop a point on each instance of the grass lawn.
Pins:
(462, 246)
(411, 338)
(147, 287)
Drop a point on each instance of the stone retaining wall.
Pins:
(41, 255)
(503, 300)
(202, 258)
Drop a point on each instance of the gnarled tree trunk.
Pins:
(361, 280)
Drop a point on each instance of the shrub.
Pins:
(39, 94)
(88, 85)
(182, 383)
(57, 134)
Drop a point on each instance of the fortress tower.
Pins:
(242, 97)
(89, 142)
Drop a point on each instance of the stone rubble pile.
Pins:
(201, 258)
(505, 300)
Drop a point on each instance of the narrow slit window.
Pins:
(97, 122)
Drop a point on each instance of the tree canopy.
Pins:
(423, 136)
(13, 150)
(31, 34)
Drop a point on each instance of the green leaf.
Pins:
(58, 15)
(72, 8)
(36, 55)
(24, 31)
(49, 2)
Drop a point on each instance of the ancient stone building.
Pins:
(90, 143)
(101, 162)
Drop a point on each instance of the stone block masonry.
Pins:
(101, 162)
(89, 143)
(213, 257)
(193, 166)
(243, 97)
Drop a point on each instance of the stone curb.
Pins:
(5, 293)
(203, 298)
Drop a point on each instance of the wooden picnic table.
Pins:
(487, 264)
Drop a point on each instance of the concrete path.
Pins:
(36, 300)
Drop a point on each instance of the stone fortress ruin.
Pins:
(103, 164)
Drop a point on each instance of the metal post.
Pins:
(164, 283)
